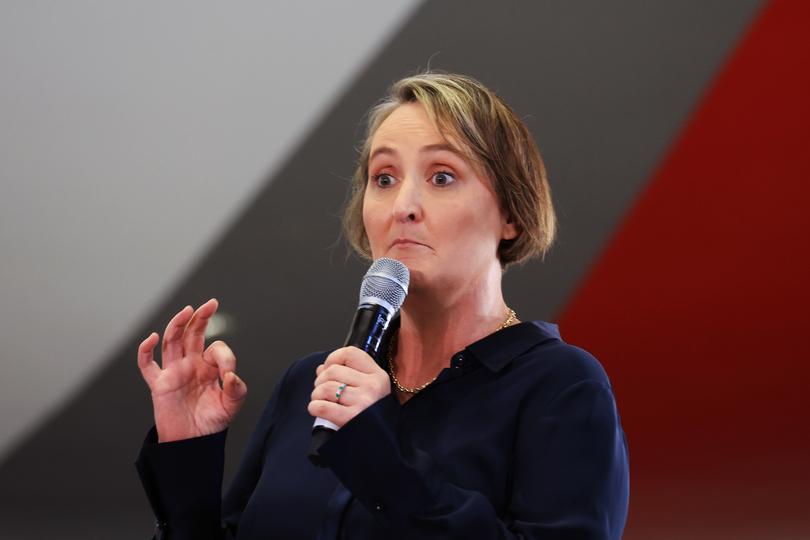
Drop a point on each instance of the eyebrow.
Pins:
(383, 150)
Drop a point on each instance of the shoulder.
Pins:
(569, 383)
(568, 362)
(560, 365)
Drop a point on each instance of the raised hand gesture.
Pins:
(196, 392)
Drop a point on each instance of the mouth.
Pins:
(406, 243)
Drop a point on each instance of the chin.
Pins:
(414, 261)
(418, 267)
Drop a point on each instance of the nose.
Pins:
(408, 205)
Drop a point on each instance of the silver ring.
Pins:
(339, 392)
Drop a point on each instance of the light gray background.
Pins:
(132, 135)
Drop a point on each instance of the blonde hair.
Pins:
(494, 139)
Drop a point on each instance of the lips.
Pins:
(404, 242)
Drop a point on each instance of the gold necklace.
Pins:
(510, 318)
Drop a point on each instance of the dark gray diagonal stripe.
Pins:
(604, 86)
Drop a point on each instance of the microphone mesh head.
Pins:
(385, 283)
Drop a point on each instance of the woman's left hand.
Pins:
(366, 382)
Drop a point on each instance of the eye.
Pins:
(443, 178)
(383, 180)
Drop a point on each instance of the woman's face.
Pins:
(427, 206)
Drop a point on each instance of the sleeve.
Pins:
(183, 480)
(570, 473)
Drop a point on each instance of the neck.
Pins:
(436, 323)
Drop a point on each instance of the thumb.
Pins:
(234, 391)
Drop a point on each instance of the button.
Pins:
(160, 530)
(378, 506)
(457, 361)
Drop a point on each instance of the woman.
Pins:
(476, 425)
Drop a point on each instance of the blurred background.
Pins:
(156, 154)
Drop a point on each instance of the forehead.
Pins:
(408, 122)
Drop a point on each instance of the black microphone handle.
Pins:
(365, 333)
(368, 326)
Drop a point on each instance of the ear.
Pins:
(509, 230)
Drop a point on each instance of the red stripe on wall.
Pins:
(699, 308)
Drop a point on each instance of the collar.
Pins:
(496, 350)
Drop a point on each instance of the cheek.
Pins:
(476, 229)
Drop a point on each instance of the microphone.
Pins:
(382, 292)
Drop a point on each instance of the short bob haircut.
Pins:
(495, 141)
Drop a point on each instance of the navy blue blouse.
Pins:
(518, 438)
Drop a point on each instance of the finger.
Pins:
(335, 413)
(172, 345)
(234, 391)
(329, 391)
(220, 356)
(352, 357)
(343, 374)
(150, 370)
(194, 335)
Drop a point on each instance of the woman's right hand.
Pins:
(197, 391)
